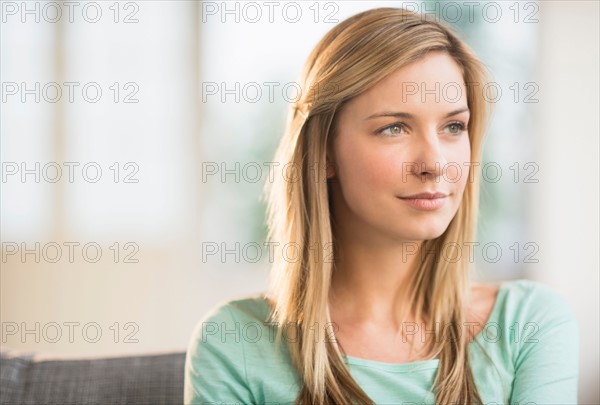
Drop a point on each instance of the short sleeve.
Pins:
(547, 360)
(215, 371)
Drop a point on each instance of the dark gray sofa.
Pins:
(29, 378)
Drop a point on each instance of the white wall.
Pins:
(156, 301)
(564, 204)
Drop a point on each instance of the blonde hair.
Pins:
(348, 60)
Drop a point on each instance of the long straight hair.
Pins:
(349, 59)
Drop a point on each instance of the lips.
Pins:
(425, 196)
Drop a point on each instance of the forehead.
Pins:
(434, 82)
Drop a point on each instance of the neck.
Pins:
(370, 279)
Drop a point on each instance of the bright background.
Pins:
(168, 115)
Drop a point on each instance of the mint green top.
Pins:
(531, 336)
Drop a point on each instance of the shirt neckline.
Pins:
(431, 363)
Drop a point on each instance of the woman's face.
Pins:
(405, 136)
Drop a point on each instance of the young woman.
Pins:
(370, 291)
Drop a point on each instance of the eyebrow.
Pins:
(407, 115)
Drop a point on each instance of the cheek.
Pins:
(458, 157)
(362, 167)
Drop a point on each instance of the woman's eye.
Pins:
(456, 128)
(394, 129)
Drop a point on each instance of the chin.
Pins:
(424, 236)
(424, 232)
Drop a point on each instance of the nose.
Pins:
(429, 157)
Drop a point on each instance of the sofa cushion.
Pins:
(26, 378)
